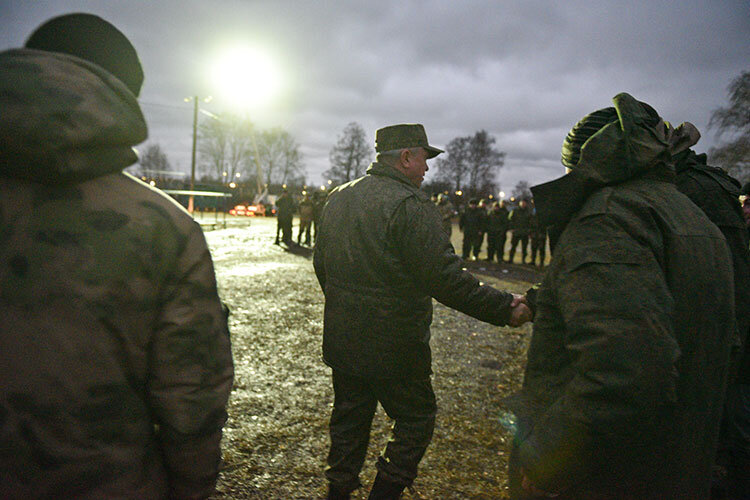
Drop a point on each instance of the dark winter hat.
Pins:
(91, 38)
(403, 136)
(473, 201)
(582, 132)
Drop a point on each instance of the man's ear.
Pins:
(404, 157)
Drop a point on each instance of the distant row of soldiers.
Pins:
(476, 221)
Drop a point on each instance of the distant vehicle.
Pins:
(258, 210)
(270, 210)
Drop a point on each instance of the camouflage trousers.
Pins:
(410, 403)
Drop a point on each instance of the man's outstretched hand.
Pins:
(520, 312)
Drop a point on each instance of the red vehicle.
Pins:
(248, 210)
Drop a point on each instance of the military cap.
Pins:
(404, 136)
(91, 38)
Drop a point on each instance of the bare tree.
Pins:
(279, 157)
(350, 155)
(225, 146)
(471, 163)
(154, 162)
(522, 190)
(453, 166)
(734, 120)
(485, 161)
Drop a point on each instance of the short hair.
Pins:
(389, 157)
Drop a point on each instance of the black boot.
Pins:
(335, 493)
(383, 489)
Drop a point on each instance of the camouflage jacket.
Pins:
(623, 390)
(717, 194)
(473, 220)
(381, 255)
(114, 350)
(447, 213)
(497, 220)
(306, 210)
(520, 220)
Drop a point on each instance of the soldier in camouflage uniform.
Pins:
(717, 194)
(380, 258)
(445, 207)
(538, 237)
(114, 351)
(627, 364)
(473, 222)
(306, 213)
(520, 225)
(497, 229)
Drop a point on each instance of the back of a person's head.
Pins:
(91, 38)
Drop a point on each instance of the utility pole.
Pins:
(192, 162)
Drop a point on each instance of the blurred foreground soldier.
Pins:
(628, 361)
(472, 222)
(497, 229)
(306, 212)
(285, 215)
(380, 258)
(445, 207)
(520, 225)
(717, 194)
(114, 350)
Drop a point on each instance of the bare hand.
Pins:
(520, 312)
(518, 299)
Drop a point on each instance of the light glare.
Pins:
(246, 76)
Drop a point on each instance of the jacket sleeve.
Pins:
(616, 308)
(428, 256)
(191, 372)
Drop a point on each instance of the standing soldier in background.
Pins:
(538, 236)
(520, 224)
(319, 199)
(497, 229)
(445, 207)
(472, 223)
(285, 206)
(114, 350)
(381, 257)
(306, 212)
(717, 194)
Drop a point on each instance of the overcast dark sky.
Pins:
(524, 70)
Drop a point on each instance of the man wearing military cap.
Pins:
(380, 257)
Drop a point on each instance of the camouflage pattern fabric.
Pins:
(447, 212)
(114, 349)
(381, 255)
(627, 365)
(717, 194)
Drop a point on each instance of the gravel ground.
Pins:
(276, 439)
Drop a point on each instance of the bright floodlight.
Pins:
(246, 76)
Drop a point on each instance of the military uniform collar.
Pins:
(376, 168)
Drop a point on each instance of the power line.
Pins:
(160, 105)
